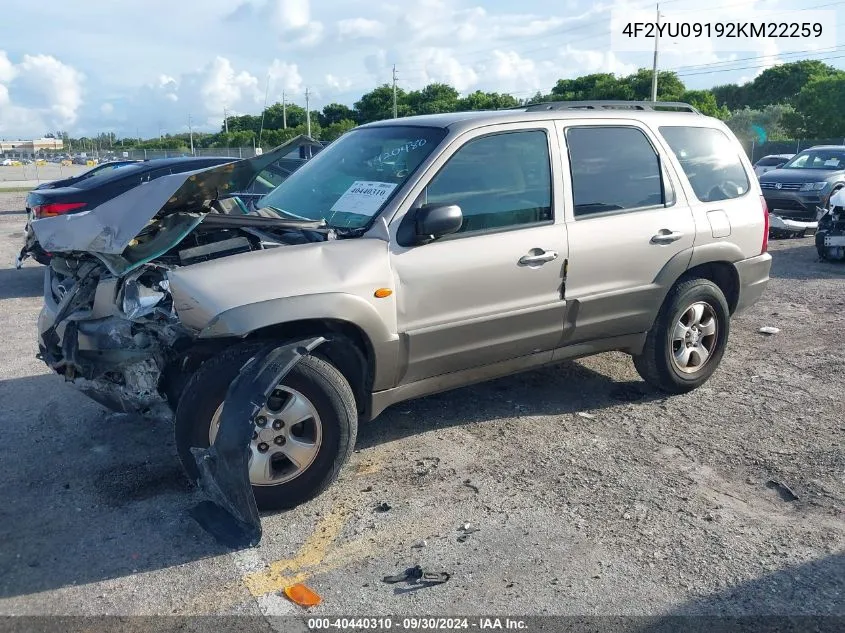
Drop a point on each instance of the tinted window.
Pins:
(709, 160)
(498, 181)
(136, 169)
(769, 162)
(613, 168)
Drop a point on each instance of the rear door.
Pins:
(629, 226)
(494, 290)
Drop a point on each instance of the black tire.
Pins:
(314, 378)
(655, 363)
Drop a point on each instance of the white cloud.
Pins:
(359, 28)
(107, 109)
(578, 62)
(338, 84)
(290, 19)
(38, 94)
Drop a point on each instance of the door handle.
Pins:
(665, 236)
(539, 258)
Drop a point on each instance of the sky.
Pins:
(141, 68)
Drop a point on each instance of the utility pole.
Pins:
(654, 68)
(284, 112)
(225, 119)
(191, 132)
(307, 112)
(394, 91)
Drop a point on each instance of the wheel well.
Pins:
(724, 275)
(348, 348)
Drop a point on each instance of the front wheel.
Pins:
(301, 437)
(688, 339)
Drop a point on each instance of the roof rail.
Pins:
(655, 106)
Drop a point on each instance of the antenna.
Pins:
(266, 92)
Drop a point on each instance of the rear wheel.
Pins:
(302, 435)
(688, 339)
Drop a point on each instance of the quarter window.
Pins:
(498, 181)
(709, 160)
(613, 169)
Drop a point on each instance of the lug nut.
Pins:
(261, 420)
(278, 425)
(280, 440)
(263, 447)
(255, 435)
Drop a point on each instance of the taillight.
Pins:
(56, 208)
(765, 225)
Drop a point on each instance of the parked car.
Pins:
(408, 257)
(88, 193)
(99, 170)
(770, 162)
(805, 183)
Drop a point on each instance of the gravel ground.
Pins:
(592, 493)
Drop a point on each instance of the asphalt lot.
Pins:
(593, 494)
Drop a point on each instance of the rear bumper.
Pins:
(753, 279)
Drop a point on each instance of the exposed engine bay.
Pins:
(830, 236)
(109, 322)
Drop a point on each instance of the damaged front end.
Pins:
(109, 322)
(830, 236)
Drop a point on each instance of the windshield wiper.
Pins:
(288, 214)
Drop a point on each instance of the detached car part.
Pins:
(230, 513)
(830, 236)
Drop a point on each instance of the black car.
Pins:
(805, 183)
(88, 193)
(84, 195)
(100, 170)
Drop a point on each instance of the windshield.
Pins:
(349, 182)
(818, 159)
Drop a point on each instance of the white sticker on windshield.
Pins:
(363, 197)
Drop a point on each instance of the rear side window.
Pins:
(709, 160)
(613, 169)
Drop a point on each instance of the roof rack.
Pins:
(654, 106)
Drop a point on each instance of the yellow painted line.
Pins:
(280, 574)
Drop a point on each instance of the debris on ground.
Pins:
(584, 414)
(786, 493)
(418, 575)
(419, 544)
(468, 483)
(466, 530)
(384, 506)
(302, 595)
(767, 329)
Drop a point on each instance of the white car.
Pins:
(6, 162)
(770, 162)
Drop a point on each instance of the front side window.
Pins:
(349, 182)
(613, 169)
(499, 181)
(709, 160)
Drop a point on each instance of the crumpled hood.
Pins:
(109, 228)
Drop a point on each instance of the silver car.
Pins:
(409, 257)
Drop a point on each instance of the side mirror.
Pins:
(433, 221)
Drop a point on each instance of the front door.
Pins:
(630, 228)
(494, 290)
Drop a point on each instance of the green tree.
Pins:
(378, 104)
(669, 86)
(783, 83)
(432, 99)
(773, 121)
(589, 87)
(819, 107)
(335, 113)
(479, 100)
(732, 96)
(705, 101)
(335, 130)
